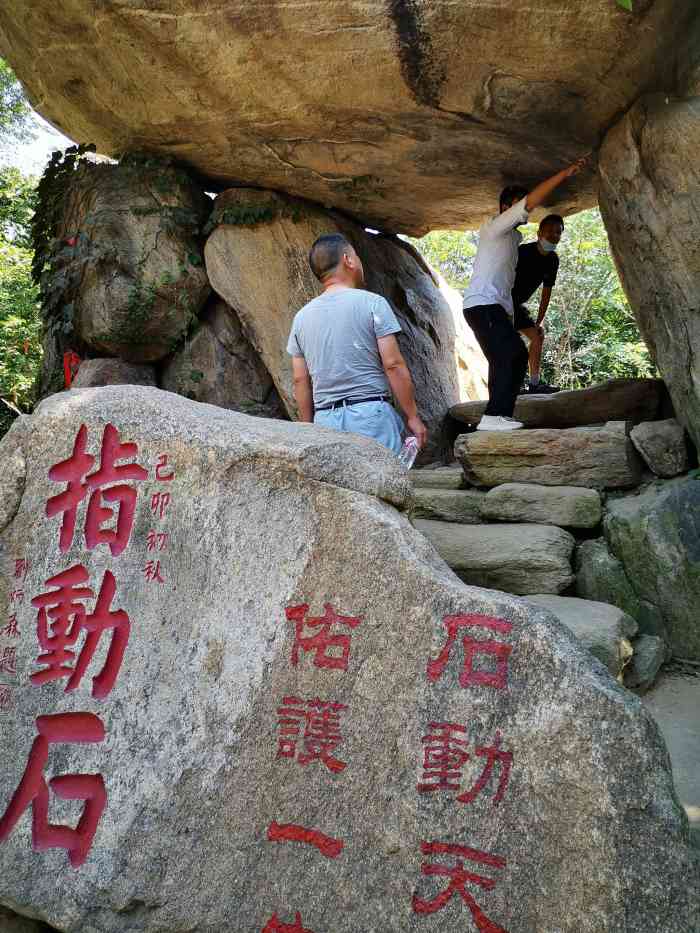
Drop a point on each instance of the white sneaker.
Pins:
(498, 423)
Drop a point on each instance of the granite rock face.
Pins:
(129, 248)
(112, 372)
(650, 652)
(257, 260)
(662, 445)
(600, 458)
(518, 559)
(220, 802)
(604, 630)
(649, 199)
(656, 537)
(601, 576)
(429, 135)
(218, 365)
(632, 400)
(568, 506)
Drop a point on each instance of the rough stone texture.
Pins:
(650, 198)
(12, 475)
(603, 630)
(601, 576)
(111, 372)
(662, 445)
(602, 458)
(656, 536)
(267, 515)
(218, 365)
(650, 652)
(426, 140)
(632, 400)
(142, 281)
(570, 506)
(257, 260)
(519, 559)
(448, 505)
(439, 478)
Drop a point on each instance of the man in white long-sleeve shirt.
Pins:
(488, 302)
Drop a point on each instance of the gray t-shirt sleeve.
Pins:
(293, 347)
(384, 319)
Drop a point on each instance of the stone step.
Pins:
(596, 457)
(632, 400)
(449, 505)
(604, 630)
(440, 478)
(566, 506)
(520, 559)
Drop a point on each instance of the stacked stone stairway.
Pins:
(537, 513)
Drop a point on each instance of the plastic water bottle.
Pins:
(409, 451)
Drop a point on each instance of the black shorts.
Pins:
(521, 319)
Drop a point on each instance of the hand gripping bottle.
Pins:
(409, 452)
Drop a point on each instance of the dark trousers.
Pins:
(505, 352)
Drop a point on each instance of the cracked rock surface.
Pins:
(408, 114)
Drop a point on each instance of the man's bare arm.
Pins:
(303, 392)
(545, 298)
(540, 194)
(401, 385)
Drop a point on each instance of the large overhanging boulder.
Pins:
(267, 572)
(408, 114)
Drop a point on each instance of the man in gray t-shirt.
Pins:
(346, 360)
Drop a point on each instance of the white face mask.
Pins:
(547, 246)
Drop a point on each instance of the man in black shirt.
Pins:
(538, 264)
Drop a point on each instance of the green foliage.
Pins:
(452, 253)
(15, 112)
(625, 4)
(591, 334)
(20, 329)
(251, 214)
(17, 205)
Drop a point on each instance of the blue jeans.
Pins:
(377, 420)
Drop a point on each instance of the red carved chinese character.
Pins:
(65, 608)
(160, 467)
(71, 471)
(8, 661)
(157, 540)
(275, 925)
(109, 472)
(493, 755)
(11, 630)
(152, 571)
(459, 877)
(74, 470)
(159, 503)
(21, 568)
(17, 596)
(6, 702)
(473, 648)
(321, 731)
(290, 832)
(444, 756)
(323, 640)
(33, 790)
